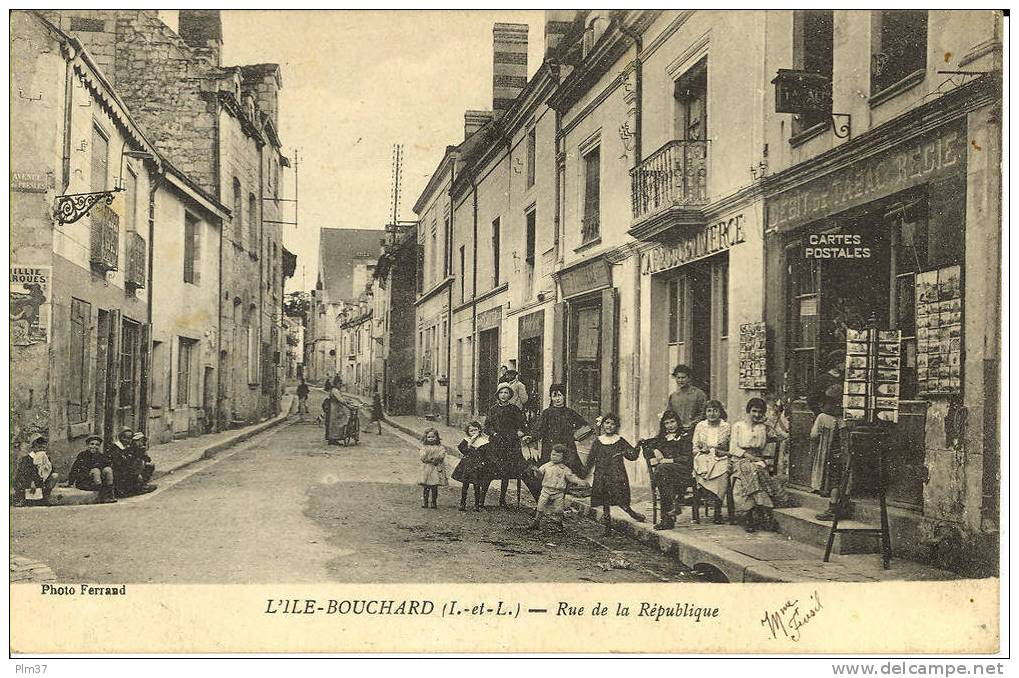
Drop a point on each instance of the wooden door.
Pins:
(584, 383)
(488, 367)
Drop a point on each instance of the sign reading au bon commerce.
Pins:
(713, 238)
(911, 163)
(587, 277)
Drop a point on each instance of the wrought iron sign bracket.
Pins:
(73, 206)
(841, 124)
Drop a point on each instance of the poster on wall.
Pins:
(939, 331)
(871, 391)
(753, 355)
(30, 304)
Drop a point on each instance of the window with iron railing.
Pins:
(813, 52)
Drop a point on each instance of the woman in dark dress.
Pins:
(504, 426)
(611, 486)
(673, 467)
(557, 424)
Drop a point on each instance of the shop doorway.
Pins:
(698, 298)
(584, 381)
(699, 288)
(531, 364)
(488, 367)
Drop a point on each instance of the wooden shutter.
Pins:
(609, 346)
(144, 360)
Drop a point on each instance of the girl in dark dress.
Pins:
(673, 468)
(557, 424)
(611, 486)
(504, 425)
(474, 465)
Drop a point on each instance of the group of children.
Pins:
(123, 469)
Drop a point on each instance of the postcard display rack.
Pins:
(871, 400)
(753, 356)
(939, 331)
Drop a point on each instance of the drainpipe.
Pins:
(65, 166)
(154, 185)
(474, 305)
(638, 70)
(449, 292)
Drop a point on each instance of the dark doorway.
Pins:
(699, 281)
(531, 363)
(488, 367)
(584, 382)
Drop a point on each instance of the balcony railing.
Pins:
(104, 238)
(674, 175)
(134, 275)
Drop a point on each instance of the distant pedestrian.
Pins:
(377, 414)
(34, 478)
(611, 486)
(474, 467)
(328, 385)
(556, 479)
(512, 377)
(93, 470)
(302, 398)
(433, 467)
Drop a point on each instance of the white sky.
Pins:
(355, 83)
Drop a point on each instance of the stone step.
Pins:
(800, 524)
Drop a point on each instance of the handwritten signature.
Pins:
(788, 620)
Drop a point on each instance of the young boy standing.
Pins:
(555, 478)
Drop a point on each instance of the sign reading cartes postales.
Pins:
(30, 304)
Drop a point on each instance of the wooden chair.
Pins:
(642, 449)
(730, 503)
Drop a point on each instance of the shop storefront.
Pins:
(590, 339)
(688, 277)
(488, 325)
(877, 236)
(531, 359)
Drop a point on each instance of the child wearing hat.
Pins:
(34, 478)
(505, 426)
(556, 478)
(136, 468)
(93, 470)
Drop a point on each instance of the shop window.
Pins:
(531, 148)
(804, 318)
(674, 311)
(900, 47)
(691, 94)
(529, 252)
(77, 388)
(496, 239)
(238, 215)
(252, 224)
(192, 250)
(813, 49)
(100, 158)
(129, 347)
(591, 223)
(185, 362)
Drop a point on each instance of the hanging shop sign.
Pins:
(939, 331)
(713, 238)
(753, 356)
(801, 91)
(594, 275)
(909, 164)
(30, 304)
(871, 386)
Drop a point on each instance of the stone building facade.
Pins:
(218, 125)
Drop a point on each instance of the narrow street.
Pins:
(286, 508)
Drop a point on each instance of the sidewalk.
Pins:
(725, 550)
(172, 456)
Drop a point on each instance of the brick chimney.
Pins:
(203, 29)
(509, 65)
(475, 120)
(559, 23)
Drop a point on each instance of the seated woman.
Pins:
(711, 455)
(673, 468)
(93, 470)
(753, 483)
